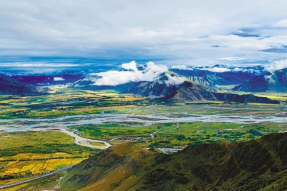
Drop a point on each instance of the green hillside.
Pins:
(255, 165)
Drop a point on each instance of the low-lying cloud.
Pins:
(217, 69)
(58, 79)
(132, 74)
(277, 65)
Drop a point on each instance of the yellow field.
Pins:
(32, 156)
(57, 112)
(34, 167)
(17, 162)
(274, 96)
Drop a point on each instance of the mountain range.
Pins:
(217, 78)
(275, 81)
(160, 89)
(176, 85)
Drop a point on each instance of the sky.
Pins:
(70, 33)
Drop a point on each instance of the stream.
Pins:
(62, 123)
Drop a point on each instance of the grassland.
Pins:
(111, 131)
(69, 101)
(273, 95)
(200, 133)
(39, 142)
(65, 102)
(209, 108)
(178, 135)
(32, 153)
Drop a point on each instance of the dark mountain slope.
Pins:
(187, 91)
(254, 165)
(275, 81)
(190, 92)
(14, 87)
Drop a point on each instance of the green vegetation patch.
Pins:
(109, 131)
(202, 133)
(39, 142)
(178, 135)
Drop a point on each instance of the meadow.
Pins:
(24, 154)
(209, 133)
(208, 108)
(64, 103)
(110, 131)
(178, 135)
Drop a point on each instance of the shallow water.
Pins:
(12, 125)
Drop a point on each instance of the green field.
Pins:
(200, 133)
(178, 135)
(39, 142)
(110, 131)
(66, 102)
(209, 108)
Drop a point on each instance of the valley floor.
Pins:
(41, 134)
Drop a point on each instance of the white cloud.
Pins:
(150, 72)
(277, 65)
(232, 58)
(174, 80)
(281, 23)
(59, 79)
(237, 69)
(196, 32)
(130, 66)
(216, 69)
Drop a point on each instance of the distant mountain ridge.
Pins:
(14, 87)
(51, 79)
(186, 91)
(217, 78)
(275, 81)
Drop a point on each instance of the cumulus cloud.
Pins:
(277, 65)
(132, 74)
(130, 66)
(59, 79)
(174, 80)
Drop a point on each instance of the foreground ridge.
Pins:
(253, 165)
